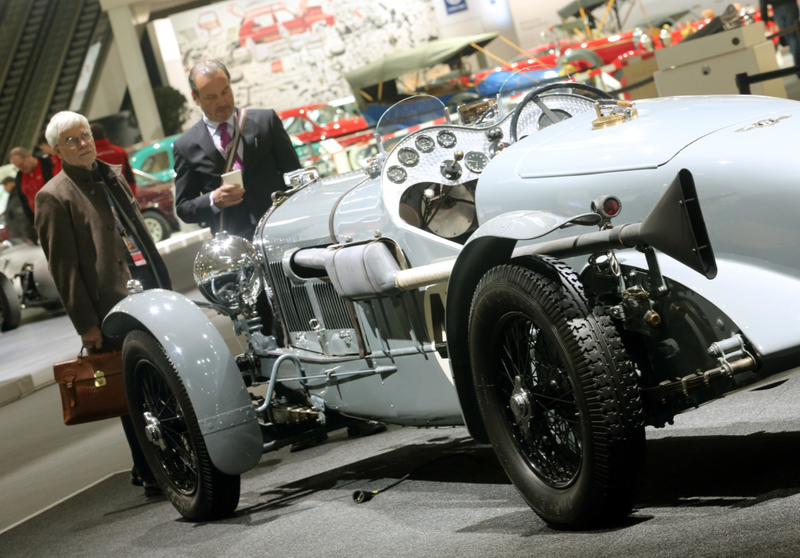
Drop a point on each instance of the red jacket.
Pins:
(28, 185)
(115, 155)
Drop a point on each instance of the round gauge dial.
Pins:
(424, 144)
(446, 139)
(396, 174)
(408, 156)
(476, 161)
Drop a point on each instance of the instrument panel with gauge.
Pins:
(431, 174)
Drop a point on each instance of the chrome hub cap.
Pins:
(520, 404)
(152, 430)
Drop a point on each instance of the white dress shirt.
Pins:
(215, 133)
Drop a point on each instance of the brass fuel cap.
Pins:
(611, 113)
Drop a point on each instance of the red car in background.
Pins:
(612, 49)
(263, 24)
(157, 205)
(313, 123)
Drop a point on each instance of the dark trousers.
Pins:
(140, 467)
(786, 15)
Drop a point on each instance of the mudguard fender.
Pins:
(206, 367)
(521, 225)
(491, 245)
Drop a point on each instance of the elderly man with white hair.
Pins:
(95, 241)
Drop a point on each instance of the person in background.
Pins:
(786, 14)
(264, 155)
(95, 240)
(41, 143)
(113, 154)
(32, 174)
(17, 222)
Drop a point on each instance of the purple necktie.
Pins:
(224, 140)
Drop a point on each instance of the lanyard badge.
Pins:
(129, 241)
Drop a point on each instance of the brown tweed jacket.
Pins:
(86, 257)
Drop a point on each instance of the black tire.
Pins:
(157, 225)
(10, 309)
(182, 466)
(576, 446)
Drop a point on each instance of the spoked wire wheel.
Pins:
(539, 400)
(169, 434)
(557, 393)
(166, 429)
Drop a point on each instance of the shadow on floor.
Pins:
(721, 470)
(728, 471)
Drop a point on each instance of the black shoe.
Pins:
(136, 480)
(365, 428)
(308, 443)
(151, 487)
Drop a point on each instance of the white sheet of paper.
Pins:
(233, 177)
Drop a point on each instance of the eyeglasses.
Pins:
(75, 142)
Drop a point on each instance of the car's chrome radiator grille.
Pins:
(334, 309)
(298, 308)
(294, 300)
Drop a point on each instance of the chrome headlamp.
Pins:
(226, 272)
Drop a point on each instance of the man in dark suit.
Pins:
(786, 14)
(265, 153)
(95, 240)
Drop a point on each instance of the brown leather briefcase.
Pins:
(91, 387)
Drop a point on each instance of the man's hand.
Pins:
(228, 195)
(93, 339)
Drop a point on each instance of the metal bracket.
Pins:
(263, 344)
(728, 351)
(301, 177)
(657, 285)
(274, 378)
(319, 405)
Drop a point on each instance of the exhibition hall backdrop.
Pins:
(292, 53)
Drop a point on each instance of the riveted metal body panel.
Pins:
(206, 368)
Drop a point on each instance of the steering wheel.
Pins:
(535, 97)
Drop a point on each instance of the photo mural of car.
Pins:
(555, 278)
(264, 24)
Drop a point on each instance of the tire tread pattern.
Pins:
(607, 376)
(218, 493)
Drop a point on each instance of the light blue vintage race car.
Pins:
(554, 277)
